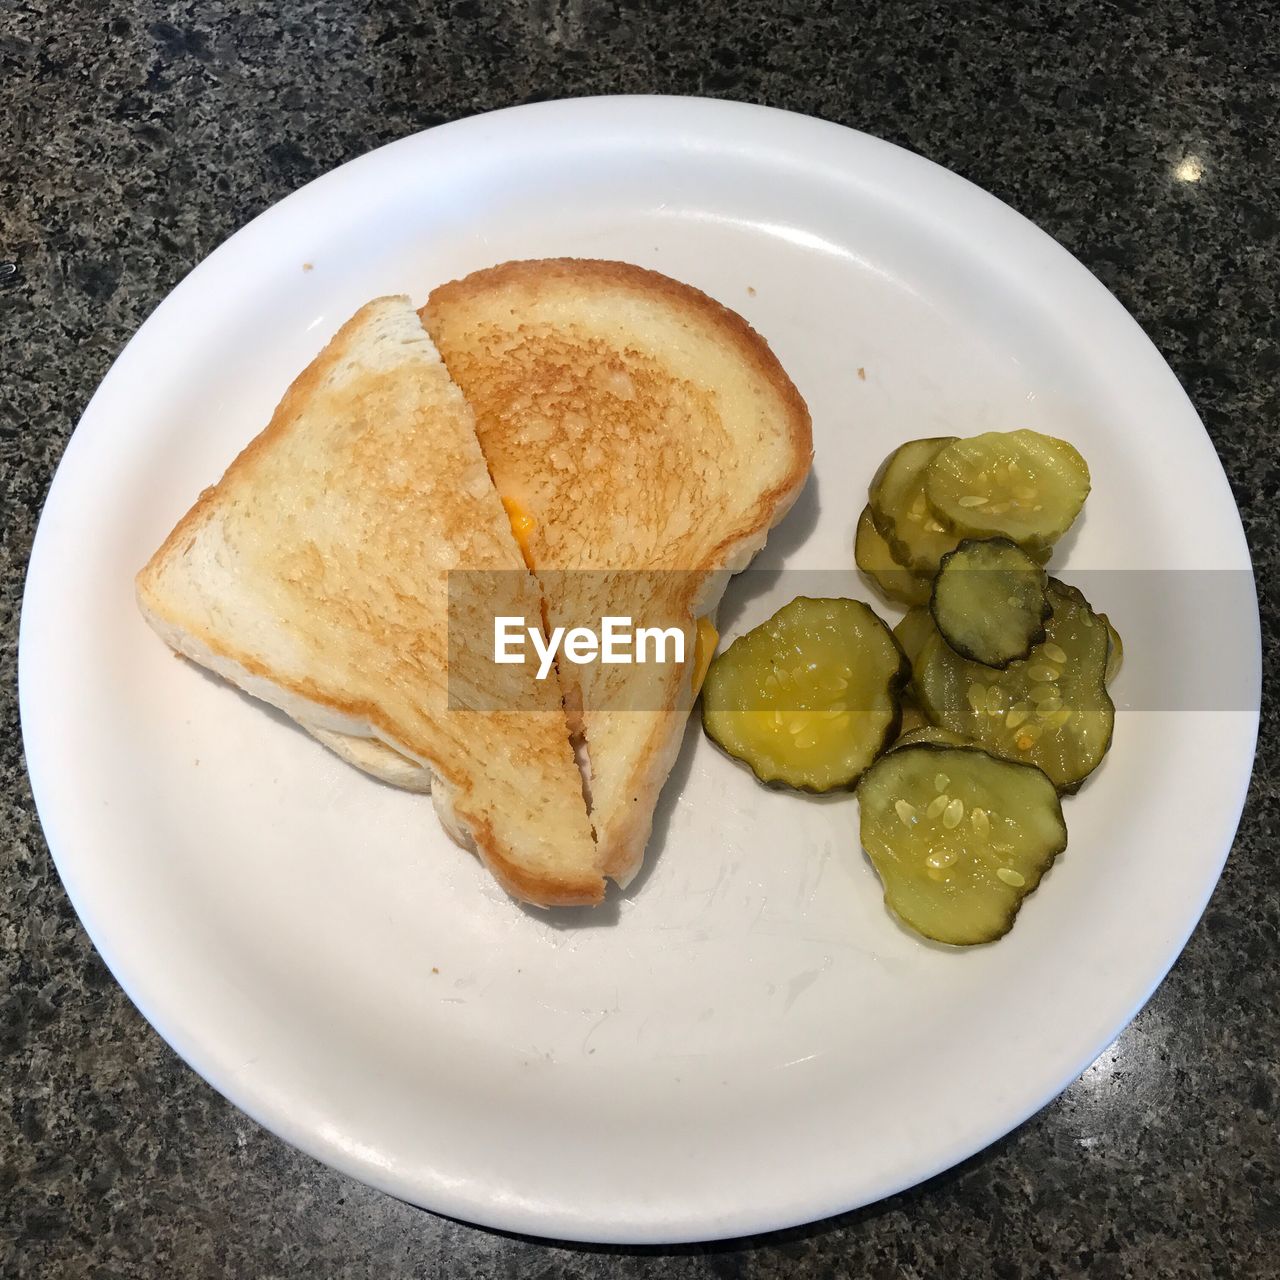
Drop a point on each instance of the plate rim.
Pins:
(712, 116)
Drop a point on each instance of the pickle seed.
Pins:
(1054, 652)
(1011, 877)
(1042, 671)
(940, 782)
(936, 806)
(1017, 714)
(954, 812)
(906, 812)
(981, 823)
(941, 859)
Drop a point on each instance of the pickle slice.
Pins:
(875, 559)
(931, 734)
(915, 627)
(1051, 709)
(958, 838)
(912, 717)
(1115, 651)
(1115, 646)
(809, 698)
(917, 538)
(989, 601)
(1020, 485)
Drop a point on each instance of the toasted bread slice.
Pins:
(314, 576)
(640, 426)
(375, 758)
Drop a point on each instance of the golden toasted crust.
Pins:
(529, 886)
(535, 275)
(433, 735)
(642, 425)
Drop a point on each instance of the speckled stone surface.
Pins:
(135, 137)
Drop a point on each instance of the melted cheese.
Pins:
(704, 648)
(522, 526)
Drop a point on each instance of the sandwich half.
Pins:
(648, 439)
(314, 575)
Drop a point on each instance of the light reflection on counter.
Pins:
(1189, 169)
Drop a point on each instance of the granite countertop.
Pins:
(140, 135)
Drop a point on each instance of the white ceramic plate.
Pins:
(747, 1040)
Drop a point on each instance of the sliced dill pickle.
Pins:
(1051, 709)
(875, 559)
(917, 538)
(912, 717)
(809, 698)
(1115, 651)
(1115, 646)
(915, 627)
(1020, 485)
(958, 837)
(931, 734)
(989, 601)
